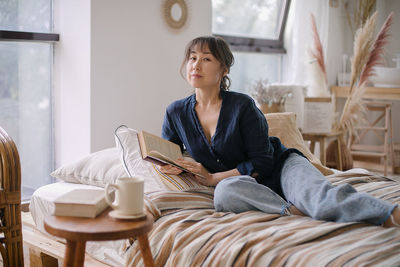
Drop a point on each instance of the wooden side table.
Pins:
(78, 230)
(321, 139)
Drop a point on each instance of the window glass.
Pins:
(251, 67)
(27, 15)
(252, 28)
(25, 90)
(254, 19)
(25, 108)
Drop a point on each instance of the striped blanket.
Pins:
(189, 232)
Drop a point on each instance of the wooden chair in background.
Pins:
(10, 203)
(381, 125)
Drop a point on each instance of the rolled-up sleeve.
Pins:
(169, 131)
(254, 132)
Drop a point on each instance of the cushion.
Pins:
(98, 169)
(283, 125)
(128, 145)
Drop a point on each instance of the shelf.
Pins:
(371, 92)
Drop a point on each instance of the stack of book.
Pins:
(80, 203)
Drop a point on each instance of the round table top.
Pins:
(103, 227)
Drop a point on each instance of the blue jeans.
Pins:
(308, 190)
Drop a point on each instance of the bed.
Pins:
(189, 232)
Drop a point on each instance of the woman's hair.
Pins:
(219, 49)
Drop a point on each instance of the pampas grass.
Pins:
(362, 48)
(318, 81)
(367, 54)
(375, 57)
(362, 10)
(317, 52)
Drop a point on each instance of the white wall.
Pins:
(72, 80)
(340, 42)
(120, 66)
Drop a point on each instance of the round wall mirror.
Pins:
(175, 13)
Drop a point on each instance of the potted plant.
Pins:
(270, 98)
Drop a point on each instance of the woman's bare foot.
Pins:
(394, 219)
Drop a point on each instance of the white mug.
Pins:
(128, 197)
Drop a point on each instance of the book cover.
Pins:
(159, 151)
(80, 203)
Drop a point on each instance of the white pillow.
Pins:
(128, 144)
(97, 169)
(129, 154)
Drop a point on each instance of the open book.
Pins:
(80, 203)
(160, 151)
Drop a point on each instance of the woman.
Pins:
(227, 136)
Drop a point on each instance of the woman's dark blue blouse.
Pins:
(240, 141)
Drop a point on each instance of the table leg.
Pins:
(339, 151)
(145, 250)
(74, 253)
(322, 151)
(312, 146)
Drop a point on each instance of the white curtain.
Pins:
(298, 38)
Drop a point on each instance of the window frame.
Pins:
(25, 36)
(258, 45)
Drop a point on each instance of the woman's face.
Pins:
(203, 70)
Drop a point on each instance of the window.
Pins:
(254, 30)
(26, 60)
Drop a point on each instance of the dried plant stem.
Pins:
(367, 54)
(346, 8)
(318, 52)
(365, 8)
(375, 57)
(318, 78)
(362, 10)
(355, 109)
(362, 48)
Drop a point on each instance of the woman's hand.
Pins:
(169, 169)
(204, 177)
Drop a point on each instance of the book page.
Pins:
(157, 155)
(154, 147)
(168, 150)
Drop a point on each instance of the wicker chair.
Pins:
(10, 203)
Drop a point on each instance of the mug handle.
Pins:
(107, 195)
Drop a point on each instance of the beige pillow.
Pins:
(283, 125)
